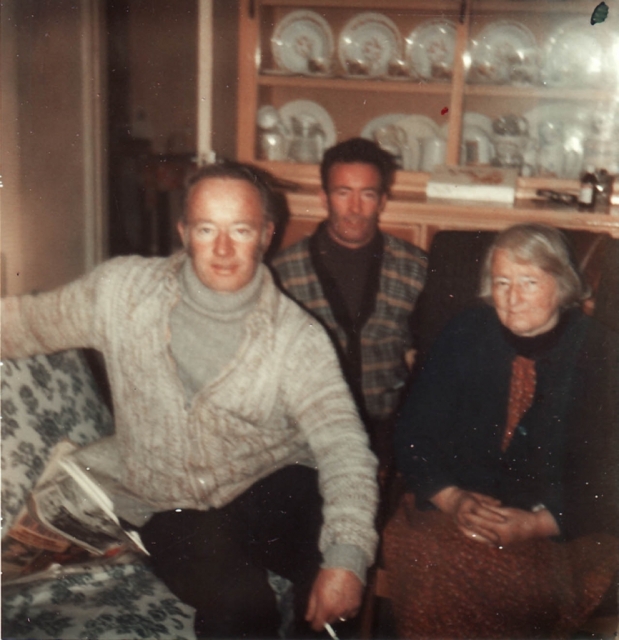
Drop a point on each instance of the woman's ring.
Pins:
(342, 619)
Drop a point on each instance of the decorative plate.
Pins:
(307, 110)
(472, 119)
(419, 127)
(575, 124)
(302, 42)
(368, 44)
(504, 52)
(382, 121)
(576, 119)
(430, 50)
(578, 55)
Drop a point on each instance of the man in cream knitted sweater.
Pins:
(236, 440)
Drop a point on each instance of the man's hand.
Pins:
(337, 593)
(409, 358)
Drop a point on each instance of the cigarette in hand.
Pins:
(329, 630)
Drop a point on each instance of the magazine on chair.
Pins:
(67, 518)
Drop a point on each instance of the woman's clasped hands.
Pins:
(483, 519)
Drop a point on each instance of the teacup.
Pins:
(551, 160)
(476, 147)
(357, 68)
(321, 66)
(432, 152)
(397, 68)
(509, 150)
(393, 139)
(273, 146)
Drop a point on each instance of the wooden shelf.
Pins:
(540, 93)
(353, 84)
(537, 6)
(342, 83)
(408, 184)
(453, 7)
(417, 220)
(434, 7)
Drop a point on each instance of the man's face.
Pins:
(225, 232)
(354, 202)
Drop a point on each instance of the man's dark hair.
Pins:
(232, 170)
(363, 151)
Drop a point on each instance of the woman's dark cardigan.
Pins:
(564, 451)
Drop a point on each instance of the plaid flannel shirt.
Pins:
(386, 335)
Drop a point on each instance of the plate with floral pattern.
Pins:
(577, 55)
(504, 52)
(368, 44)
(312, 112)
(302, 42)
(430, 50)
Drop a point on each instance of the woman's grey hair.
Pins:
(544, 247)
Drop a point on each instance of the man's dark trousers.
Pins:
(217, 560)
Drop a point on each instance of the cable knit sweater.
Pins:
(280, 401)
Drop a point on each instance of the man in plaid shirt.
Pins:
(361, 283)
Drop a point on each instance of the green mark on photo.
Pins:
(600, 13)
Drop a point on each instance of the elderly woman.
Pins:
(508, 441)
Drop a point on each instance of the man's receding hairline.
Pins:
(252, 183)
(265, 218)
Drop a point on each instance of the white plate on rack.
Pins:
(368, 44)
(302, 42)
(579, 55)
(575, 121)
(308, 109)
(430, 50)
(504, 52)
(381, 121)
(419, 127)
(472, 119)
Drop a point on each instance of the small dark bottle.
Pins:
(588, 190)
(605, 187)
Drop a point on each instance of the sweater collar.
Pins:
(536, 346)
(329, 287)
(263, 313)
(233, 305)
(326, 244)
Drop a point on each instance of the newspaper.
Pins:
(68, 518)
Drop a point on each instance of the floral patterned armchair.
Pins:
(46, 399)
